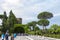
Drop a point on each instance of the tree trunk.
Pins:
(43, 29)
(33, 28)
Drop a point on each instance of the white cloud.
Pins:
(56, 14)
(14, 2)
(11, 4)
(28, 8)
(26, 19)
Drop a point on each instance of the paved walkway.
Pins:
(33, 38)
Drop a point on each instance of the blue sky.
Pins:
(29, 9)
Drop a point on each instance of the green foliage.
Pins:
(21, 25)
(12, 19)
(45, 15)
(33, 24)
(4, 21)
(58, 30)
(19, 28)
(31, 32)
(43, 22)
(1, 16)
(52, 35)
(10, 23)
(0, 33)
(26, 29)
(37, 30)
(54, 26)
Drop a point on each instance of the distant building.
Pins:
(19, 20)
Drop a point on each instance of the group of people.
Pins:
(6, 36)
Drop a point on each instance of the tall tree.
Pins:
(12, 19)
(44, 23)
(44, 16)
(4, 22)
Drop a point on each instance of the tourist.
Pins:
(2, 36)
(14, 35)
(6, 36)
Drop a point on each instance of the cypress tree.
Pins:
(12, 19)
(4, 25)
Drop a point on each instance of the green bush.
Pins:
(19, 30)
(52, 35)
(31, 32)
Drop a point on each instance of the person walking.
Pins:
(12, 37)
(15, 35)
(6, 36)
(2, 36)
